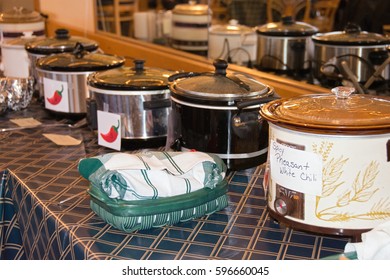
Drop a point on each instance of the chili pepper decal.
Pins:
(56, 97)
(112, 134)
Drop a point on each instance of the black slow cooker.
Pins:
(219, 113)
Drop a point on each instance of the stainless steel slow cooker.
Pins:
(140, 95)
(285, 46)
(219, 113)
(329, 161)
(61, 42)
(234, 42)
(19, 22)
(64, 78)
(362, 53)
(190, 24)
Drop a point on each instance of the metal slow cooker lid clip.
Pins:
(340, 111)
(79, 50)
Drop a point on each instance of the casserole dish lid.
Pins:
(340, 111)
(61, 42)
(287, 27)
(131, 78)
(352, 35)
(233, 28)
(218, 85)
(20, 15)
(79, 61)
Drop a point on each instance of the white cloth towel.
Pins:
(375, 244)
(151, 175)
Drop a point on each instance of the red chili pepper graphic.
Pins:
(57, 96)
(112, 134)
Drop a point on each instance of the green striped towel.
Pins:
(150, 175)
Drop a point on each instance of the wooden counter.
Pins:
(167, 58)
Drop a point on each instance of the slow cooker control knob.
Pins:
(283, 205)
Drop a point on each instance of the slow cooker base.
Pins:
(354, 234)
(135, 144)
(64, 115)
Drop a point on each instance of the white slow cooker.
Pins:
(190, 24)
(329, 161)
(21, 21)
(14, 58)
(234, 42)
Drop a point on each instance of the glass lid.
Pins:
(79, 60)
(287, 27)
(131, 78)
(192, 8)
(217, 85)
(20, 15)
(233, 28)
(61, 42)
(341, 110)
(351, 35)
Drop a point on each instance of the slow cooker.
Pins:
(19, 22)
(61, 42)
(218, 112)
(329, 161)
(140, 95)
(285, 47)
(362, 52)
(14, 58)
(190, 24)
(233, 42)
(64, 78)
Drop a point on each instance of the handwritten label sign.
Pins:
(294, 169)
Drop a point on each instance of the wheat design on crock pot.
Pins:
(362, 190)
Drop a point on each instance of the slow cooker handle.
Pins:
(157, 104)
(256, 101)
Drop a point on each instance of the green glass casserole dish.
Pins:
(135, 215)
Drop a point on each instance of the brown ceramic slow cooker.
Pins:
(329, 161)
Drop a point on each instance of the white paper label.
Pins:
(294, 169)
(109, 130)
(56, 95)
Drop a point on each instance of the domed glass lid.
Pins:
(131, 78)
(232, 28)
(287, 27)
(79, 61)
(61, 42)
(218, 85)
(20, 15)
(352, 35)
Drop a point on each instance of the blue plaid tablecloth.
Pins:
(36, 175)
